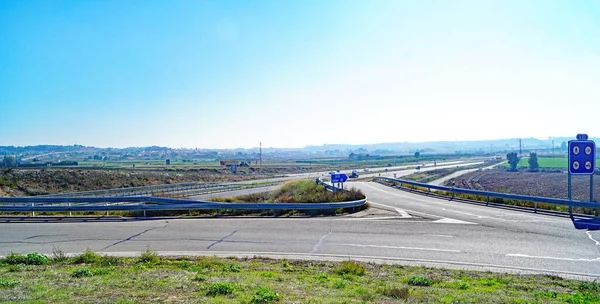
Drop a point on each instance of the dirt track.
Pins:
(528, 183)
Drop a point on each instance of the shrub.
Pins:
(351, 267)
(222, 288)
(82, 272)
(263, 295)
(108, 260)
(420, 281)
(88, 257)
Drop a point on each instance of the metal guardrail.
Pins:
(148, 203)
(488, 195)
(144, 190)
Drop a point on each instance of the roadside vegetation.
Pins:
(94, 278)
(302, 191)
(30, 182)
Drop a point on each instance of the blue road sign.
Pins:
(582, 137)
(582, 157)
(339, 178)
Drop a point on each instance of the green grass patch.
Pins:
(209, 280)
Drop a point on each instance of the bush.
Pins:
(149, 257)
(82, 272)
(263, 295)
(222, 288)
(420, 281)
(199, 278)
(340, 284)
(352, 268)
(108, 260)
(88, 257)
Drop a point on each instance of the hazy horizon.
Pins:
(230, 74)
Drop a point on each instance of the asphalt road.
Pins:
(415, 229)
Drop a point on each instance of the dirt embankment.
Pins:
(23, 182)
(546, 184)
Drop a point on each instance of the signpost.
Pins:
(339, 178)
(582, 160)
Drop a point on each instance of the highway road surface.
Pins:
(407, 228)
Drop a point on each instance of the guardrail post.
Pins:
(428, 190)
(451, 198)
(32, 212)
(106, 209)
(70, 214)
(144, 206)
(487, 203)
(534, 207)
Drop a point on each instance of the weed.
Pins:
(36, 259)
(102, 271)
(58, 256)
(351, 267)
(88, 257)
(395, 292)
(264, 295)
(222, 288)
(185, 265)
(232, 268)
(149, 257)
(268, 274)
(14, 259)
(340, 284)
(199, 278)
(82, 272)
(108, 260)
(582, 298)
(14, 268)
(590, 286)
(420, 281)
(6, 283)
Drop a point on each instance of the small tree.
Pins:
(533, 162)
(417, 154)
(513, 160)
(563, 146)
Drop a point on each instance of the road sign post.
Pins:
(582, 161)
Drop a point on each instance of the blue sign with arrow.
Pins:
(339, 178)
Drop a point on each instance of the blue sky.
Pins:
(226, 74)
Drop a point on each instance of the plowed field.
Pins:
(546, 184)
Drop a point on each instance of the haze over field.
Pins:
(229, 74)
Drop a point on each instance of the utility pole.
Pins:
(260, 152)
(553, 146)
(520, 148)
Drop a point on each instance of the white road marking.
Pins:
(440, 235)
(518, 255)
(452, 221)
(591, 238)
(318, 244)
(403, 213)
(394, 247)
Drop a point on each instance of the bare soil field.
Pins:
(25, 182)
(546, 184)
